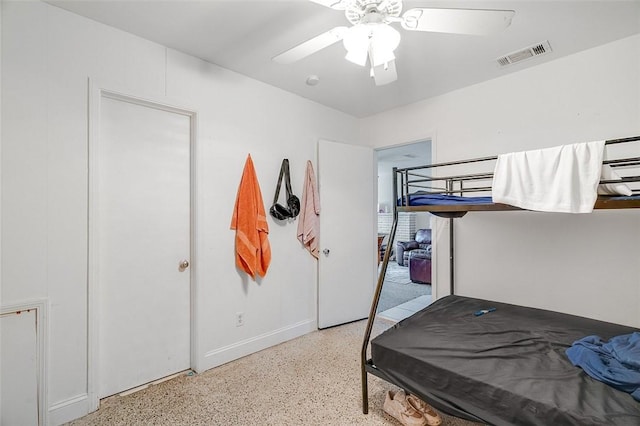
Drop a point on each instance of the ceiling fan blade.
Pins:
(311, 46)
(457, 21)
(333, 4)
(385, 73)
(383, 4)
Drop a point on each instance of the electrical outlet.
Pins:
(239, 319)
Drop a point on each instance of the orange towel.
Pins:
(253, 252)
(309, 222)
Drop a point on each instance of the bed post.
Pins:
(451, 260)
(376, 298)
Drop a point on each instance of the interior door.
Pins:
(143, 247)
(347, 264)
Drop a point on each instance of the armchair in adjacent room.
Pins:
(422, 241)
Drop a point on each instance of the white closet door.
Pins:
(347, 264)
(143, 236)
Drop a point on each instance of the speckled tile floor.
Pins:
(311, 380)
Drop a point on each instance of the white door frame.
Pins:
(96, 94)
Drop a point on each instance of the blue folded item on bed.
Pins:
(624, 197)
(616, 362)
(425, 199)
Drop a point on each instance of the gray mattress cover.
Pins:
(505, 367)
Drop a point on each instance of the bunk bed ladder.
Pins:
(383, 270)
(376, 299)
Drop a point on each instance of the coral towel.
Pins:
(559, 179)
(309, 223)
(253, 252)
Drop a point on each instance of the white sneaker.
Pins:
(397, 406)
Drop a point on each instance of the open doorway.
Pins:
(407, 283)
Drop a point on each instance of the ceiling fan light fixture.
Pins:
(381, 57)
(357, 56)
(384, 42)
(376, 39)
(356, 41)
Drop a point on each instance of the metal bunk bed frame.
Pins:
(410, 178)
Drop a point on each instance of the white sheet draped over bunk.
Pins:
(559, 179)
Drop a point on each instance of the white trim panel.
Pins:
(42, 331)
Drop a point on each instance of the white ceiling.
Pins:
(244, 35)
(407, 155)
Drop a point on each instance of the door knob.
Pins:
(326, 252)
(184, 264)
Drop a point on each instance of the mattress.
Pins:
(504, 367)
(425, 199)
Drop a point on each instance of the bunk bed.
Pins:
(487, 361)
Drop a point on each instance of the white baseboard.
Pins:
(246, 347)
(69, 409)
(79, 406)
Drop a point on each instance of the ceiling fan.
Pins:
(372, 38)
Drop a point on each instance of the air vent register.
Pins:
(524, 54)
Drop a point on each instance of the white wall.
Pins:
(47, 56)
(587, 265)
